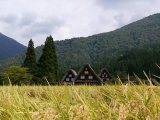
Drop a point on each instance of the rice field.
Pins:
(109, 102)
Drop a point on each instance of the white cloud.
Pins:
(25, 19)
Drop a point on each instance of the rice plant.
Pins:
(108, 102)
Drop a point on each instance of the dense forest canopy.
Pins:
(138, 61)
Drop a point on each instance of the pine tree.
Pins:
(30, 60)
(47, 64)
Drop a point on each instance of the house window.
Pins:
(86, 72)
(70, 75)
(82, 77)
(72, 79)
(90, 77)
(67, 79)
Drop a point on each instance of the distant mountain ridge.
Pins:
(101, 49)
(9, 47)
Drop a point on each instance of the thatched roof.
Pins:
(70, 71)
(92, 71)
(104, 70)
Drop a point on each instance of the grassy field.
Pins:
(80, 102)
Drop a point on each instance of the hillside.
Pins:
(136, 61)
(101, 49)
(9, 47)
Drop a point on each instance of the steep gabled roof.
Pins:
(91, 70)
(104, 70)
(70, 71)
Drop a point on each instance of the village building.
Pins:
(105, 76)
(87, 76)
(69, 77)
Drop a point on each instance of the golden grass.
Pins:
(117, 102)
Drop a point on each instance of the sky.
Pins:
(64, 19)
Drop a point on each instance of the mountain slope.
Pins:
(9, 47)
(101, 49)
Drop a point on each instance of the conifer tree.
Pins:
(30, 60)
(47, 64)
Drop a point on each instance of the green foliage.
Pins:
(47, 64)
(17, 60)
(30, 60)
(139, 60)
(1, 79)
(16, 75)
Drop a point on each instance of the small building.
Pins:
(69, 77)
(105, 76)
(87, 76)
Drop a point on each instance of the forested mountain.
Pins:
(102, 49)
(138, 61)
(9, 47)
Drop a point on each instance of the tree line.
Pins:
(43, 71)
(138, 61)
(43, 68)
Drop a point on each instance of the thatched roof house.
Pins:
(69, 77)
(87, 76)
(105, 76)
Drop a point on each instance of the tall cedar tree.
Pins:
(30, 60)
(47, 64)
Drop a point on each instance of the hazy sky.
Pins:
(36, 19)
